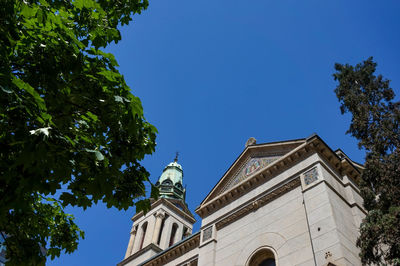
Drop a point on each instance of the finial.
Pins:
(250, 141)
(176, 156)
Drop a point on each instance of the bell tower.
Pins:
(168, 222)
(170, 182)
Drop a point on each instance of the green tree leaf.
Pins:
(67, 120)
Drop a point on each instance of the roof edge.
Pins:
(190, 218)
(243, 152)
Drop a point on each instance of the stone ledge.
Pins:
(259, 202)
(169, 204)
(314, 144)
(140, 252)
(174, 251)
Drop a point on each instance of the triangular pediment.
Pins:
(251, 166)
(250, 162)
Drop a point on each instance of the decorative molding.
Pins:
(351, 205)
(190, 262)
(174, 251)
(252, 165)
(313, 144)
(258, 150)
(257, 203)
(139, 253)
(250, 141)
(160, 214)
(252, 182)
(134, 229)
(310, 176)
(171, 206)
(207, 234)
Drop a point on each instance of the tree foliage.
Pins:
(375, 124)
(71, 132)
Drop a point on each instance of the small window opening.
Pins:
(173, 233)
(185, 232)
(161, 230)
(144, 229)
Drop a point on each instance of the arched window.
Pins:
(173, 233)
(179, 185)
(166, 182)
(267, 262)
(144, 229)
(262, 257)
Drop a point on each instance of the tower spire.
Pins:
(170, 182)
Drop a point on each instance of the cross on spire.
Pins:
(176, 156)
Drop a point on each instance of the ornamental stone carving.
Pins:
(251, 141)
(249, 168)
(310, 176)
(207, 233)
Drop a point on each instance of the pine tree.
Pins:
(375, 124)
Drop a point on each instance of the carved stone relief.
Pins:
(310, 176)
(207, 233)
(248, 168)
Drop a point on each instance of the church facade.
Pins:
(283, 203)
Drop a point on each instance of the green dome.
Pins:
(170, 182)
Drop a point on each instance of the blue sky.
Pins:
(212, 74)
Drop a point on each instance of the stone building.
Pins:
(292, 202)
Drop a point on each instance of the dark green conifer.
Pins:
(375, 124)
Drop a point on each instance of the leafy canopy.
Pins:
(71, 132)
(376, 124)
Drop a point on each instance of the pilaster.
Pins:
(131, 242)
(159, 216)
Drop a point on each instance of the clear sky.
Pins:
(212, 74)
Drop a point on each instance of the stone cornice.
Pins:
(171, 206)
(175, 251)
(351, 205)
(272, 148)
(313, 144)
(343, 166)
(253, 181)
(139, 253)
(253, 205)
